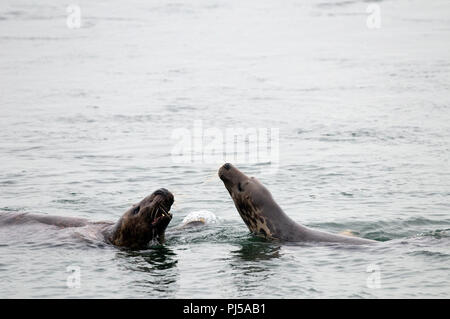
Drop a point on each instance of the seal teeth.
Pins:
(164, 212)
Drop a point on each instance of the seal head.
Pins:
(144, 222)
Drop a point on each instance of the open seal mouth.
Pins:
(161, 214)
(160, 221)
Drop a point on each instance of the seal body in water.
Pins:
(265, 218)
(138, 226)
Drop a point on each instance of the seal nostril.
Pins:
(227, 166)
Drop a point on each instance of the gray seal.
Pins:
(138, 226)
(265, 218)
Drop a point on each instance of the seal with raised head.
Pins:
(265, 218)
(138, 226)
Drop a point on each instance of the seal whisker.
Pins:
(153, 213)
(165, 213)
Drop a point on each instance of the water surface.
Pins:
(87, 117)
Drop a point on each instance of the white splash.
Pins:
(201, 215)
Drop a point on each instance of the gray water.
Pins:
(87, 117)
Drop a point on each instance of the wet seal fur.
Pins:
(265, 218)
(138, 226)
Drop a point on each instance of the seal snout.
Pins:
(223, 170)
(162, 191)
(165, 194)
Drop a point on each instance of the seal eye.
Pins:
(136, 210)
(240, 187)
